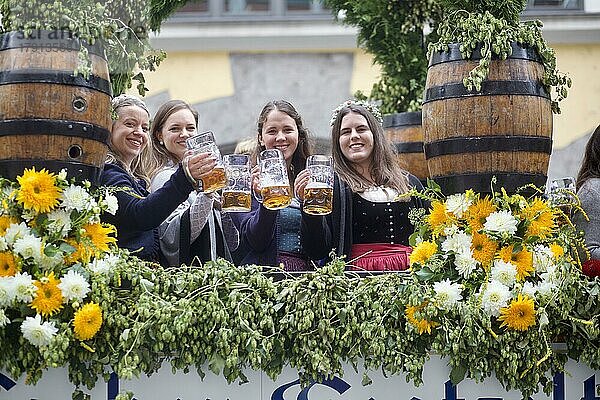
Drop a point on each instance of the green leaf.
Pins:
(216, 364)
(424, 274)
(457, 374)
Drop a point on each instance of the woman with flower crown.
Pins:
(197, 228)
(369, 223)
(272, 237)
(140, 213)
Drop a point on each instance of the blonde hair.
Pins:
(136, 169)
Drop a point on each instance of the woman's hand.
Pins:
(300, 184)
(200, 164)
(255, 179)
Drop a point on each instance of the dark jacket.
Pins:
(258, 235)
(140, 213)
(320, 234)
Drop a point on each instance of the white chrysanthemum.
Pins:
(447, 293)
(3, 319)
(112, 204)
(451, 230)
(76, 198)
(59, 222)
(542, 258)
(16, 231)
(28, 215)
(460, 242)
(23, 287)
(546, 288)
(3, 244)
(7, 291)
(465, 263)
(38, 333)
(495, 296)
(48, 263)
(501, 222)
(74, 286)
(529, 289)
(457, 204)
(29, 246)
(504, 272)
(104, 265)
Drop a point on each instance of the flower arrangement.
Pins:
(501, 267)
(371, 107)
(51, 240)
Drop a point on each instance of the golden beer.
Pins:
(318, 200)
(215, 180)
(236, 201)
(276, 197)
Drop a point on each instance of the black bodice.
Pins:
(385, 222)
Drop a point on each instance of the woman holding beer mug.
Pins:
(139, 213)
(196, 228)
(270, 233)
(369, 223)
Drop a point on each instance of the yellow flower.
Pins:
(421, 324)
(478, 212)
(540, 217)
(38, 190)
(5, 222)
(87, 321)
(557, 250)
(523, 260)
(439, 217)
(8, 264)
(48, 297)
(99, 236)
(423, 252)
(519, 315)
(484, 249)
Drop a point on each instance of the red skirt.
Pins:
(379, 257)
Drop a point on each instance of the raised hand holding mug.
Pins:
(275, 191)
(205, 143)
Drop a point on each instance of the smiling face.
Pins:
(129, 133)
(177, 128)
(356, 141)
(280, 132)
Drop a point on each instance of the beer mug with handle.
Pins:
(236, 195)
(318, 193)
(275, 191)
(205, 143)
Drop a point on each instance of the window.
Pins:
(197, 6)
(305, 6)
(558, 5)
(246, 6)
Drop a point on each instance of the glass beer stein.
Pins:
(236, 195)
(318, 193)
(275, 191)
(205, 143)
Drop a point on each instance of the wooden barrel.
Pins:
(49, 117)
(505, 130)
(405, 132)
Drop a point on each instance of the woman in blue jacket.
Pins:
(272, 237)
(140, 213)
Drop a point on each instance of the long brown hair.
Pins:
(304, 148)
(159, 157)
(136, 169)
(384, 168)
(590, 166)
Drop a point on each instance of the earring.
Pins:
(161, 142)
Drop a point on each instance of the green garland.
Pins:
(230, 318)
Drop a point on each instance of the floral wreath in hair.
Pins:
(372, 108)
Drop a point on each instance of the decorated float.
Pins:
(494, 306)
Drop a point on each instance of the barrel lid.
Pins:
(402, 119)
(48, 40)
(453, 53)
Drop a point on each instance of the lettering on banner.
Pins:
(337, 384)
(6, 383)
